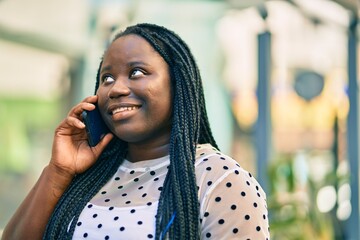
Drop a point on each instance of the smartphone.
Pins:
(94, 125)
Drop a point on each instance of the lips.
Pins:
(122, 108)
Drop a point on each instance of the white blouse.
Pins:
(232, 203)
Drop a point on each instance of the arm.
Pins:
(71, 155)
(30, 219)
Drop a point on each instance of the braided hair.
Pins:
(178, 210)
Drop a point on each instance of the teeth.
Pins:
(123, 109)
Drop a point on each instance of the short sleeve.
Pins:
(235, 208)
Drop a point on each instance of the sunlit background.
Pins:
(280, 79)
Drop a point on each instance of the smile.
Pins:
(124, 109)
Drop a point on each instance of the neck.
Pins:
(140, 152)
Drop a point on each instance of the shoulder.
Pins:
(232, 202)
(215, 169)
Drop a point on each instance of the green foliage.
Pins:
(26, 125)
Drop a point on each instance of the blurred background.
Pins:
(280, 80)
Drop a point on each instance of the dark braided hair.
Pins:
(178, 210)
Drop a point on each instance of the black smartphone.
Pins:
(95, 126)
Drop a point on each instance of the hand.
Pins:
(71, 153)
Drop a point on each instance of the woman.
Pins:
(158, 174)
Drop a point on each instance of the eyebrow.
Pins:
(135, 63)
(130, 64)
(106, 68)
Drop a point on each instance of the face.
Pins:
(134, 94)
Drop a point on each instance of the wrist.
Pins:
(58, 178)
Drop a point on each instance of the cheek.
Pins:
(101, 93)
(102, 96)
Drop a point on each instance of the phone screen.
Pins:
(95, 126)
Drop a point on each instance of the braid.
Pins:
(178, 208)
(190, 126)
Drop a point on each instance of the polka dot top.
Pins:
(232, 203)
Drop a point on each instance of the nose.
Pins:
(119, 88)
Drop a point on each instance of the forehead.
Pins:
(129, 46)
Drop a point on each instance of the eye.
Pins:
(136, 73)
(108, 79)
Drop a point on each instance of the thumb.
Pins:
(102, 144)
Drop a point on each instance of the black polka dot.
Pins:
(209, 183)
(201, 154)
(79, 223)
(233, 207)
(132, 172)
(217, 199)
(107, 237)
(139, 222)
(85, 235)
(206, 214)
(141, 187)
(107, 200)
(127, 202)
(124, 194)
(136, 179)
(258, 228)
(236, 172)
(255, 204)
(225, 167)
(103, 192)
(117, 179)
(150, 236)
(208, 168)
(235, 230)
(155, 179)
(121, 228)
(99, 225)
(221, 221)
(90, 206)
(160, 188)
(258, 194)
(149, 203)
(95, 215)
(250, 175)
(264, 216)
(152, 173)
(257, 188)
(243, 194)
(111, 208)
(205, 159)
(116, 218)
(248, 183)
(144, 195)
(208, 235)
(132, 210)
(120, 187)
(228, 184)
(247, 217)
(222, 158)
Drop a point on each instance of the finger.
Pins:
(87, 103)
(78, 109)
(75, 122)
(90, 99)
(102, 144)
